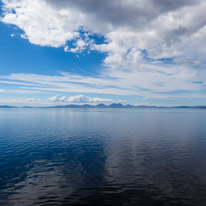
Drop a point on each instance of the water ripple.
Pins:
(102, 157)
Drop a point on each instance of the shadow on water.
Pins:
(54, 173)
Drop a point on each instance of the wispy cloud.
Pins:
(2, 90)
(151, 81)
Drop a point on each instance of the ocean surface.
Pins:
(103, 157)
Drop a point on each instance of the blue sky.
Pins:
(138, 52)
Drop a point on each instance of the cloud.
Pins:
(78, 99)
(32, 100)
(59, 100)
(42, 24)
(155, 48)
(23, 102)
(151, 81)
(66, 49)
(159, 27)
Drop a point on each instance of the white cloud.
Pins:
(42, 24)
(151, 81)
(66, 49)
(157, 26)
(138, 34)
(78, 99)
(32, 100)
(57, 100)
(22, 102)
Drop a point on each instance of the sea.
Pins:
(98, 156)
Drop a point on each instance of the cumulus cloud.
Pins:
(81, 44)
(66, 48)
(59, 100)
(50, 28)
(78, 99)
(160, 27)
(140, 36)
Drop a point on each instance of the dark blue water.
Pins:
(103, 157)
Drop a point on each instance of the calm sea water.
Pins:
(103, 157)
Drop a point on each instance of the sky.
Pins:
(140, 52)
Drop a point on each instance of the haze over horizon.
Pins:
(139, 52)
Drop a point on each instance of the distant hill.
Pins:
(73, 106)
(119, 105)
(195, 107)
(6, 106)
(113, 105)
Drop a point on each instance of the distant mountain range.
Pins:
(114, 105)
